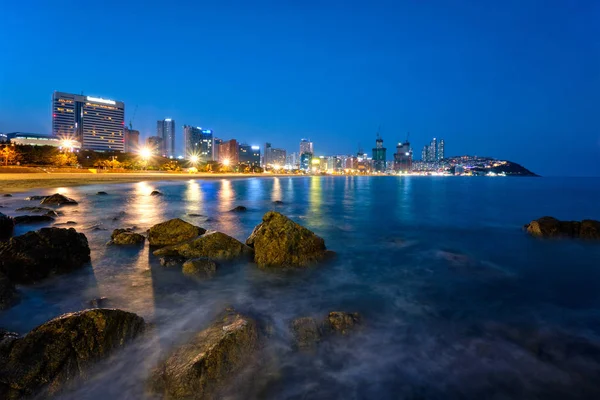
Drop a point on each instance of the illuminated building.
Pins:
(215, 148)
(165, 129)
(292, 161)
(229, 152)
(440, 151)
(132, 139)
(379, 155)
(154, 143)
(95, 122)
(198, 142)
(273, 156)
(36, 139)
(306, 146)
(403, 157)
(305, 161)
(249, 155)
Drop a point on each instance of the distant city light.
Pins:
(67, 143)
(194, 159)
(168, 119)
(226, 162)
(255, 147)
(145, 152)
(101, 100)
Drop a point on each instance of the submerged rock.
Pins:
(170, 262)
(239, 209)
(7, 226)
(215, 245)
(37, 254)
(551, 227)
(7, 195)
(342, 322)
(172, 232)
(53, 355)
(59, 200)
(280, 242)
(156, 193)
(306, 332)
(207, 363)
(34, 198)
(278, 202)
(32, 219)
(35, 209)
(101, 193)
(8, 293)
(126, 237)
(202, 267)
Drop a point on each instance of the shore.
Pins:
(22, 182)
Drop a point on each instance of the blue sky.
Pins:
(518, 80)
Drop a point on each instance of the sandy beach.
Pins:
(22, 182)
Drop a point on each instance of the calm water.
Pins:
(454, 295)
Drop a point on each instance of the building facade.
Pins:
(306, 161)
(379, 155)
(94, 122)
(249, 155)
(306, 146)
(229, 152)
(403, 157)
(155, 145)
(274, 157)
(132, 139)
(215, 148)
(165, 130)
(198, 142)
(36, 139)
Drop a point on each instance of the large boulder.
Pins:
(7, 226)
(172, 232)
(280, 242)
(126, 237)
(548, 227)
(37, 254)
(32, 219)
(58, 200)
(205, 364)
(8, 294)
(62, 350)
(200, 267)
(215, 245)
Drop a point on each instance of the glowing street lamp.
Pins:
(145, 153)
(194, 159)
(67, 144)
(226, 162)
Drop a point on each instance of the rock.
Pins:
(215, 245)
(53, 213)
(100, 302)
(239, 209)
(55, 354)
(7, 336)
(8, 293)
(195, 215)
(156, 193)
(32, 219)
(7, 226)
(126, 237)
(172, 261)
(37, 254)
(207, 363)
(547, 227)
(35, 209)
(199, 267)
(306, 332)
(172, 232)
(66, 223)
(280, 242)
(34, 198)
(342, 322)
(59, 200)
(7, 195)
(278, 202)
(101, 193)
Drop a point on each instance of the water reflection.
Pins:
(315, 200)
(146, 210)
(276, 192)
(194, 198)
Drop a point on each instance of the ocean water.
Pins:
(457, 301)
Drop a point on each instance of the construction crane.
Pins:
(132, 118)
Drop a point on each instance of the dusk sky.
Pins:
(512, 79)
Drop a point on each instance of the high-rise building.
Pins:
(154, 143)
(165, 129)
(305, 161)
(274, 157)
(433, 152)
(306, 146)
(132, 139)
(94, 122)
(216, 146)
(379, 155)
(249, 155)
(229, 152)
(403, 157)
(198, 142)
(292, 161)
(440, 151)
(433, 149)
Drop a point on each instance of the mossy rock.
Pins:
(280, 242)
(215, 245)
(550, 227)
(204, 365)
(126, 237)
(342, 322)
(307, 332)
(172, 232)
(200, 267)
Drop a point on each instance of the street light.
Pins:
(194, 160)
(226, 162)
(67, 144)
(145, 153)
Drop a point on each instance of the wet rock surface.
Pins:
(550, 227)
(156, 193)
(172, 232)
(32, 219)
(207, 363)
(35, 209)
(199, 267)
(239, 209)
(38, 254)
(101, 194)
(172, 261)
(35, 198)
(8, 293)
(126, 237)
(280, 242)
(59, 200)
(214, 245)
(7, 226)
(341, 322)
(55, 354)
(307, 332)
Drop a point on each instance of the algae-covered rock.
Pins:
(550, 227)
(306, 332)
(37, 254)
(62, 350)
(280, 242)
(202, 267)
(204, 365)
(172, 232)
(7, 226)
(215, 245)
(59, 200)
(342, 322)
(172, 261)
(126, 237)
(8, 293)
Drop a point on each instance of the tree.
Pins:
(9, 155)
(64, 160)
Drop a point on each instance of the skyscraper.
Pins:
(198, 142)
(216, 148)
(165, 129)
(432, 153)
(306, 146)
(132, 139)
(229, 152)
(379, 155)
(274, 157)
(95, 122)
(155, 145)
(249, 155)
(440, 151)
(403, 157)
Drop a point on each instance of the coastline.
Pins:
(23, 182)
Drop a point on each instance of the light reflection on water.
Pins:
(437, 267)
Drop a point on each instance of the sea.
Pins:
(457, 301)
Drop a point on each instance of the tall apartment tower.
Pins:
(95, 122)
(403, 157)
(198, 142)
(132, 139)
(306, 146)
(440, 150)
(379, 155)
(165, 129)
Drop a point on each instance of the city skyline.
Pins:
(407, 68)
